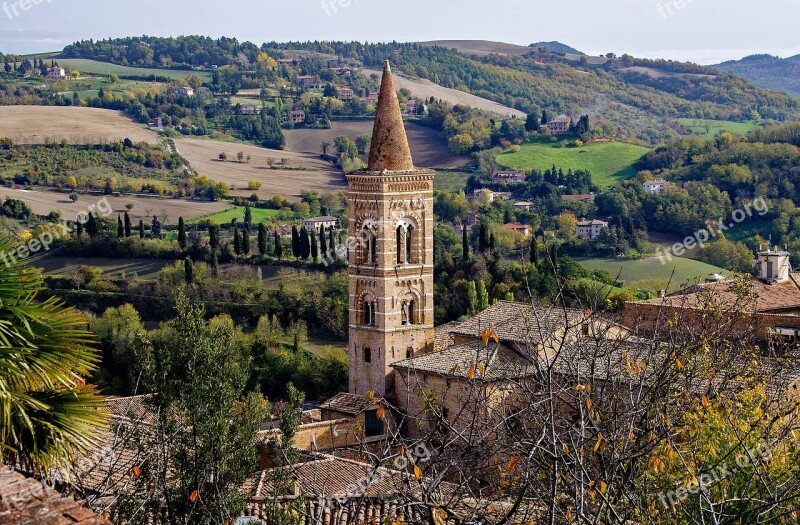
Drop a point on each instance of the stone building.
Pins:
(391, 262)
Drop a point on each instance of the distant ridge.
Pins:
(558, 47)
(767, 71)
(486, 47)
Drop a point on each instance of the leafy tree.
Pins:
(532, 122)
(47, 413)
(181, 233)
(223, 156)
(205, 421)
(363, 143)
(324, 146)
(545, 117)
(155, 228)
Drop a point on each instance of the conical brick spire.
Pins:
(389, 150)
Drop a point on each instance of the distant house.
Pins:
(56, 73)
(523, 205)
(157, 123)
(248, 109)
(324, 223)
(345, 93)
(487, 196)
(578, 197)
(655, 186)
(519, 228)
(472, 217)
(513, 177)
(411, 107)
(289, 61)
(307, 81)
(297, 116)
(372, 98)
(184, 91)
(341, 70)
(589, 229)
(559, 125)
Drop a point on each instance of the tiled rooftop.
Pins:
(26, 501)
(347, 404)
(491, 362)
(758, 296)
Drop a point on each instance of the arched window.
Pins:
(405, 243)
(367, 355)
(370, 239)
(369, 313)
(407, 312)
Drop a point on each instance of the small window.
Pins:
(373, 426)
(367, 355)
(409, 237)
(369, 313)
(409, 353)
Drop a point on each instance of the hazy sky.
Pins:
(705, 31)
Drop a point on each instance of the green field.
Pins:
(710, 128)
(650, 274)
(450, 181)
(259, 215)
(95, 67)
(609, 162)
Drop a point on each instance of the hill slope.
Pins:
(767, 71)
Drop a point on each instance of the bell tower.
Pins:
(390, 207)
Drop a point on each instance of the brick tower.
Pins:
(390, 206)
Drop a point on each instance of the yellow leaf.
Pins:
(370, 395)
(495, 336)
(417, 472)
(678, 364)
(704, 401)
(380, 413)
(569, 514)
(485, 337)
(603, 487)
(512, 463)
(589, 404)
(471, 373)
(481, 368)
(136, 471)
(599, 440)
(628, 367)
(193, 496)
(565, 448)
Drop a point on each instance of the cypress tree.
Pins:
(155, 230)
(472, 298)
(483, 239)
(314, 246)
(464, 243)
(188, 270)
(534, 252)
(181, 233)
(323, 244)
(305, 244)
(332, 242)
(491, 243)
(141, 229)
(91, 226)
(295, 243)
(127, 225)
(248, 217)
(79, 229)
(246, 242)
(262, 239)
(213, 236)
(278, 246)
(120, 229)
(214, 264)
(237, 242)
(483, 297)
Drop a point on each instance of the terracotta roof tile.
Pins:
(347, 404)
(25, 501)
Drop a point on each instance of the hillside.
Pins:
(767, 71)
